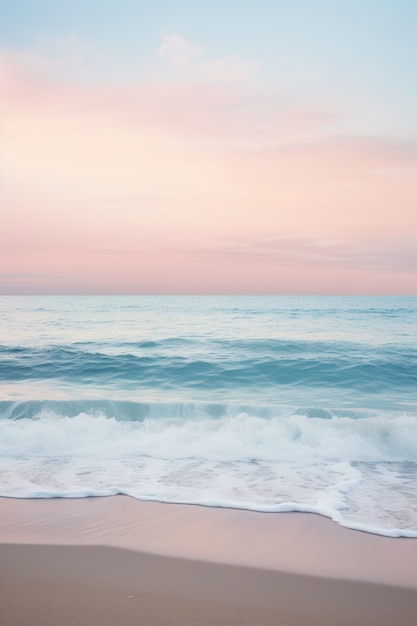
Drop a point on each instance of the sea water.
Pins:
(263, 403)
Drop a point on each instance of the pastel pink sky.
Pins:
(215, 185)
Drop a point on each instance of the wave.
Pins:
(348, 467)
(276, 363)
(226, 432)
(269, 404)
(123, 410)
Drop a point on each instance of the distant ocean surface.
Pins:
(263, 403)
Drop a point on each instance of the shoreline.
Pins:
(118, 561)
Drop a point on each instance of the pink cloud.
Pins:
(393, 252)
(124, 188)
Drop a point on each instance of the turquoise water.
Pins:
(265, 403)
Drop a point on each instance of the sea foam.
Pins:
(334, 466)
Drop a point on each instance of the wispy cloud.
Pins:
(59, 59)
(383, 252)
(153, 171)
(177, 50)
(25, 282)
(5, 276)
(232, 68)
(186, 56)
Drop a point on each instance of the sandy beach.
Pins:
(117, 561)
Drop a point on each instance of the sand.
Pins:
(116, 561)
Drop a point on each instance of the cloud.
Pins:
(18, 276)
(188, 57)
(375, 252)
(177, 50)
(162, 168)
(24, 282)
(232, 68)
(60, 59)
(217, 111)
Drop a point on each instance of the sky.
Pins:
(194, 147)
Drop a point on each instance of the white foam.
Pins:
(356, 471)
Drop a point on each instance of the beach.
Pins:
(118, 561)
(265, 448)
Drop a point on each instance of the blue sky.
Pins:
(361, 52)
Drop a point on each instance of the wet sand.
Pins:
(116, 561)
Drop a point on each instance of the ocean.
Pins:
(265, 403)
